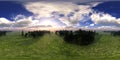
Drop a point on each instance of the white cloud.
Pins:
(47, 22)
(112, 28)
(105, 19)
(45, 9)
(92, 24)
(50, 11)
(22, 21)
(5, 22)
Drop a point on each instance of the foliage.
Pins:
(79, 37)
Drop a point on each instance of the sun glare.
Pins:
(47, 23)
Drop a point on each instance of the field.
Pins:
(52, 47)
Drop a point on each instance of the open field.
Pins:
(52, 47)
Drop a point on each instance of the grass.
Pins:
(52, 47)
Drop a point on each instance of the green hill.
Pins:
(52, 47)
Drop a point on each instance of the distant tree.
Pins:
(3, 33)
(115, 33)
(35, 34)
(79, 37)
(22, 33)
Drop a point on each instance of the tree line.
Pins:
(80, 37)
(3, 33)
(34, 34)
(115, 33)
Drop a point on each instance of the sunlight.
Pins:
(50, 24)
(47, 23)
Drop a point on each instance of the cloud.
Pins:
(68, 13)
(64, 15)
(18, 22)
(48, 21)
(92, 24)
(81, 1)
(105, 19)
(44, 9)
(22, 21)
(5, 22)
(109, 28)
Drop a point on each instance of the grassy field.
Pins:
(52, 47)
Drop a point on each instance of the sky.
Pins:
(59, 14)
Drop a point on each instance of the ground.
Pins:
(52, 47)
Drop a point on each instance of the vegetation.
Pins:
(3, 33)
(50, 46)
(34, 34)
(115, 33)
(79, 37)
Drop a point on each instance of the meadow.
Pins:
(52, 47)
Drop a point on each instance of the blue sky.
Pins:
(111, 8)
(32, 15)
(10, 9)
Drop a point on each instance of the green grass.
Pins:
(52, 47)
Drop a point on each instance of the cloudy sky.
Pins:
(59, 14)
